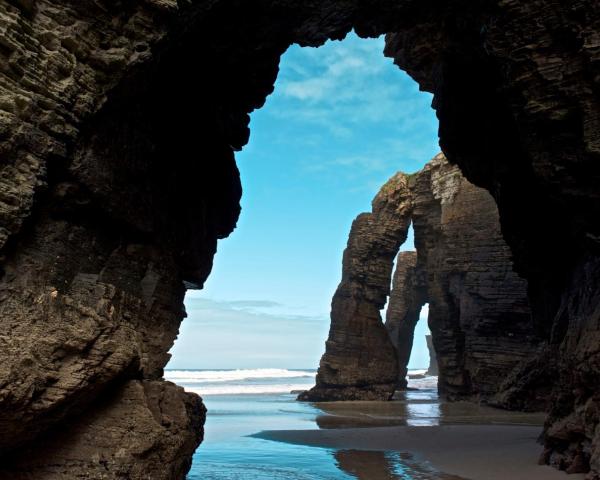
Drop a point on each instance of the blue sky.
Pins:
(342, 120)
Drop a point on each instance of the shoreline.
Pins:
(474, 452)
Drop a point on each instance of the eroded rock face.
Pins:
(479, 316)
(95, 102)
(144, 429)
(359, 361)
(107, 212)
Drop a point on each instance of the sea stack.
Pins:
(360, 361)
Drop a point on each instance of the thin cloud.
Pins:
(244, 304)
(206, 310)
(219, 334)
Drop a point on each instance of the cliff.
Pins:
(481, 324)
(118, 122)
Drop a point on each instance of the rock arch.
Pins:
(479, 315)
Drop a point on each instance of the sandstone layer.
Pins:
(481, 324)
(118, 122)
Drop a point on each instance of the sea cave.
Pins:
(119, 123)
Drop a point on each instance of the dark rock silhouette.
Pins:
(112, 199)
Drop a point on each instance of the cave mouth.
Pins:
(344, 119)
(120, 197)
(417, 359)
(407, 319)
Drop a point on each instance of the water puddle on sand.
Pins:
(415, 409)
(375, 465)
(233, 448)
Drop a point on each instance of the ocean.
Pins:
(242, 403)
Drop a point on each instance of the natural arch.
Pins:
(117, 133)
(479, 316)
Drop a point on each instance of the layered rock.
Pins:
(144, 429)
(104, 219)
(95, 102)
(359, 361)
(479, 316)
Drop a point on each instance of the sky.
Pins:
(341, 121)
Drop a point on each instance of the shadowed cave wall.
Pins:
(118, 122)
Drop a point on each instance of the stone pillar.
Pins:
(360, 361)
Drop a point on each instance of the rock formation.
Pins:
(480, 320)
(433, 363)
(478, 311)
(145, 429)
(360, 362)
(118, 122)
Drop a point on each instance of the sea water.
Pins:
(242, 402)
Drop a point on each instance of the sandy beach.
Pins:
(474, 452)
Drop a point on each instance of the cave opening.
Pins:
(119, 132)
(421, 357)
(342, 119)
(407, 320)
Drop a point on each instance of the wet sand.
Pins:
(436, 439)
(415, 409)
(475, 452)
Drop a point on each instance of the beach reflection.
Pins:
(417, 408)
(377, 465)
(413, 408)
(365, 465)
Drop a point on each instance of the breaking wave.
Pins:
(257, 381)
(249, 389)
(212, 376)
